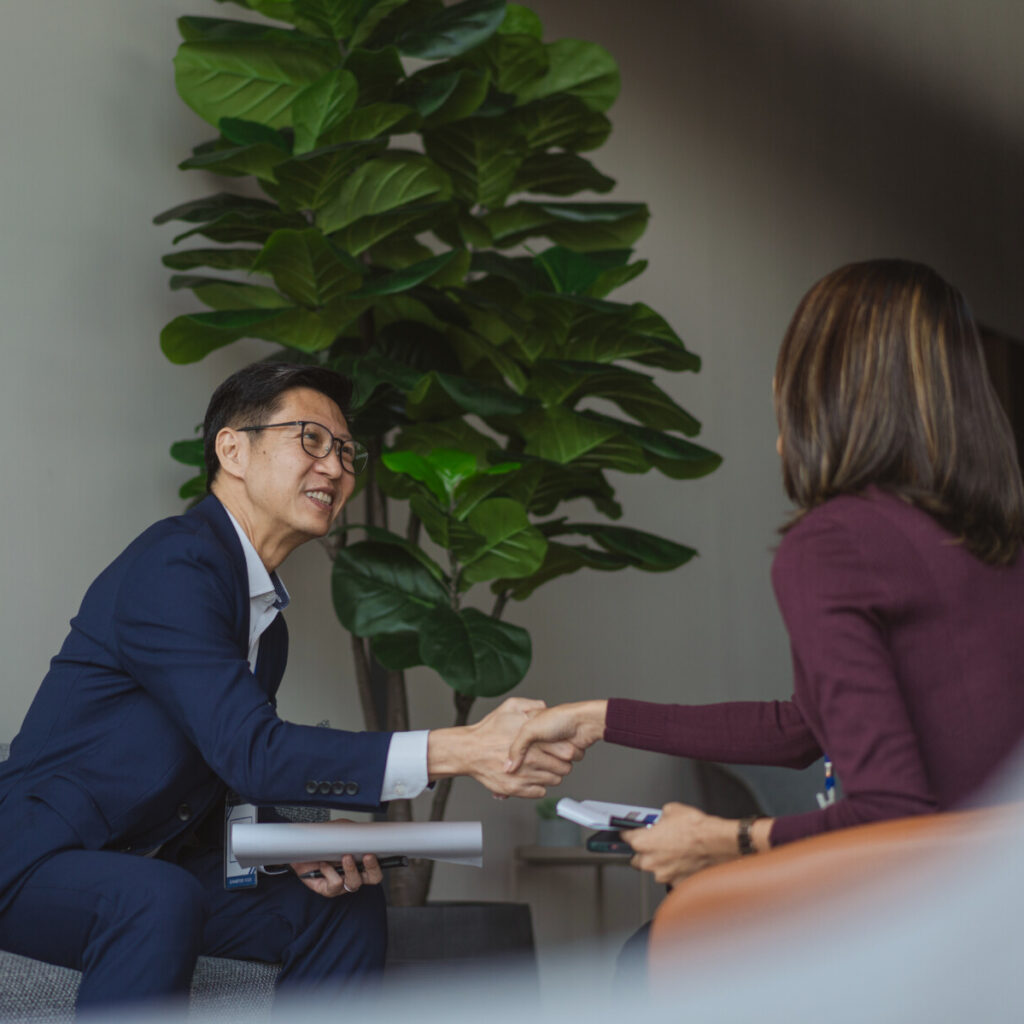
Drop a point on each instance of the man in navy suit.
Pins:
(163, 697)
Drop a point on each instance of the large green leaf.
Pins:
(560, 174)
(256, 80)
(481, 157)
(408, 277)
(442, 93)
(197, 211)
(512, 547)
(647, 550)
(369, 372)
(562, 122)
(440, 395)
(520, 20)
(395, 179)
(444, 530)
(575, 273)
(512, 61)
(218, 259)
(322, 106)
(673, 456)
(310, 181)
(327, 17)
(473, 653)
(478, 488)
(419, 468)
(451, 433)
(370, 231)
(561, 435)
(379, 589)
(581, 69)
(186, 339)
(194, 29)
(560, 560)
(381, 536)
(387, 18)
(221, 157)
(586, 227)
(305, 267)
(376, 71)
(218, 293)
(375, 120)
(635, 393)
(397, 651)
(189, 453)
(452, 31)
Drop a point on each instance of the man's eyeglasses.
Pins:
(318, 441)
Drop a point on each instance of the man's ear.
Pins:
(232, 452)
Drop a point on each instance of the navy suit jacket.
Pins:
(150, 709)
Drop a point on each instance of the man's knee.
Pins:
(162, 906)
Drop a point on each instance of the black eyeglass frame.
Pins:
(359, 452)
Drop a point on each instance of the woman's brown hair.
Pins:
(881, 380)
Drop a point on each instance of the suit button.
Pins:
(351, 788)
(338, 788)
(184, 812)
(311, 786)
(325, 787)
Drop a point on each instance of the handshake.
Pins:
(520, 749)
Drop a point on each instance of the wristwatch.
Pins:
(743, 838)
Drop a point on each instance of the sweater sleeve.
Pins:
(838, 609)
(739, 732)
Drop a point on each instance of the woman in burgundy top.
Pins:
(898, 578)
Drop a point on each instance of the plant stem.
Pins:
(499, 604)
(361, 658)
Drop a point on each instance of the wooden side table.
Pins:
(578, 856)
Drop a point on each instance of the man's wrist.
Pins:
(446, 752)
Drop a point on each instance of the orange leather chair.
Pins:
(792, 878)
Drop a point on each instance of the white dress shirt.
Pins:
(405, 771)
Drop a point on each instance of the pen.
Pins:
(385, 862)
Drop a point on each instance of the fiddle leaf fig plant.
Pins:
(398, 197)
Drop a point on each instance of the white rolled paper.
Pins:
(457, 842)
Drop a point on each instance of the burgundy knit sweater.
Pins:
(908, 663)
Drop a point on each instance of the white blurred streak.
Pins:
(937, 942)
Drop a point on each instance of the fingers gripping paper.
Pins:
(457, 842)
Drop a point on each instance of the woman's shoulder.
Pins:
(853, 536)
(871, 514)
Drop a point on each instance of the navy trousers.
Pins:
(134, 926)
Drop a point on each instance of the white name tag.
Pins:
(235, 876)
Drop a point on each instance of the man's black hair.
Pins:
(253, 394)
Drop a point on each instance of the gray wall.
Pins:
(773, 142)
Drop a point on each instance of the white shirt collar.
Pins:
(261, 583)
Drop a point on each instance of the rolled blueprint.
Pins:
(458, 842)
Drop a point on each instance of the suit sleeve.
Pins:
(175, 631)
(837, 608)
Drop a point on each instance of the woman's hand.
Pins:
(337, 883)
(580, 724)
(685, 840)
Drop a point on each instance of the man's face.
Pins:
(294, 497)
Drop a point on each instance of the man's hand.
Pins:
(481, 751)
(580, 724)
(336, 883)
(685, 840)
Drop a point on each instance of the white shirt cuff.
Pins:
(405, 773)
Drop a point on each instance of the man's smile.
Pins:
(322, 498)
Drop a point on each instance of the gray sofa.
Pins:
(34, 991)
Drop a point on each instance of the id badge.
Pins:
(235, 876)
